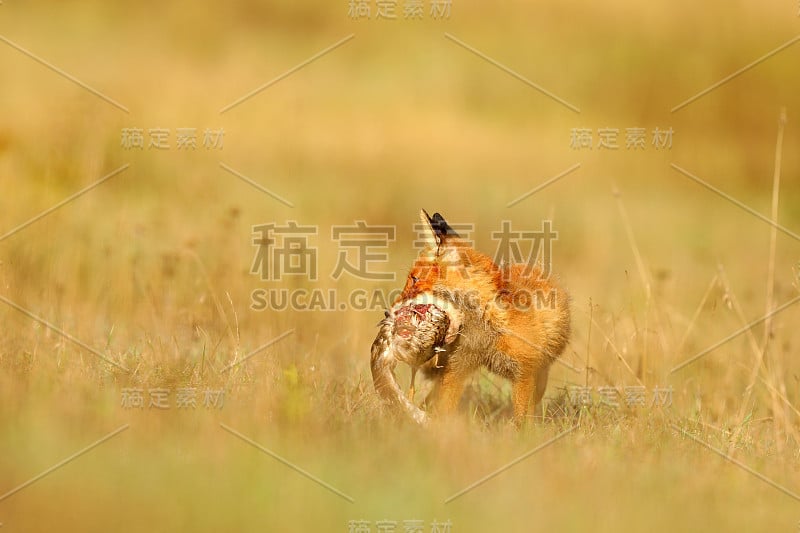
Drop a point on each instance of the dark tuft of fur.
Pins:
(441, 227)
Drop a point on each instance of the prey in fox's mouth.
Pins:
(419, 330)
(416, 333)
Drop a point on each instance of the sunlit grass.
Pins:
(152, 268)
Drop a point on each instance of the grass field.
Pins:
(141, 287)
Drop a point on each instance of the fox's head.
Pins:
(442, 256)
(448, 266)
(439, 268)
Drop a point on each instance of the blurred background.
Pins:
(152, 268)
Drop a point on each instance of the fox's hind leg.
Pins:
(541, 385)
(531, 386)
(521, 392)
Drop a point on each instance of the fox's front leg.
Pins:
(449, 390)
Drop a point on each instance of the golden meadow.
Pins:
(152, 267)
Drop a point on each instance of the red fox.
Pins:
(460, 311)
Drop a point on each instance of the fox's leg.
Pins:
(541, 385)
(538, 393)
(434, 375)
(521, 392)
(432, 399)
(531, 385)
(449, 390)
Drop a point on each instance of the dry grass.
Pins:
(151, 268)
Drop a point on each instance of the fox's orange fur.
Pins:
(508, 319)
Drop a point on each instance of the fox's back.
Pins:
(511, 315)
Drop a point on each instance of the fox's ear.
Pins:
(431, 238)
(441, 227)
(436, 232)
